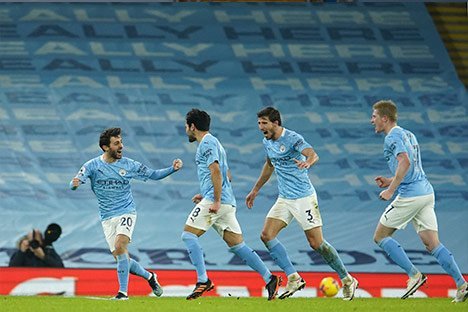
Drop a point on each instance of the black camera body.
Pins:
(51, 234)
(34, 244)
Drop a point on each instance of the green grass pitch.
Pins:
(71, 304)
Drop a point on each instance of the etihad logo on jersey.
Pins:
(112, 182)
(281, 161)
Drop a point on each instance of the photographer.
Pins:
(36, 250)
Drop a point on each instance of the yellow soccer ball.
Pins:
(329, 287)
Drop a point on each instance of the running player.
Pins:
(290, 156)
(414, 201)
(216, 207)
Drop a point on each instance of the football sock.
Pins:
(137, 269)
(279, 254)
(196, 255)
(252, 259)
(122, 272)
(447, 262)
(398, 255)
(329, 254)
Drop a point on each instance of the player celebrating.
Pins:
(110, 176)
(414, 202)
(290, 156)
(216, 207)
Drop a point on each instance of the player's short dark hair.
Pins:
(199, 118)
(104, 138)
(271, 113)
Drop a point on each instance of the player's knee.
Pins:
(119, 249)
(265, 237)
(377, 239)
(315, 244)
(430, 246)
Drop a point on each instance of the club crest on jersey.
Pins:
(122, 172)
(282, 148)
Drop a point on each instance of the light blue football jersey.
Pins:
(111, 184)
(293, 182)
(415, 183)
(210, 150)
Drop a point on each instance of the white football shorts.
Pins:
(305, 210)
(224, 219)
(123, 224)
(418, 209)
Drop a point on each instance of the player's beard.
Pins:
(191, 138)
(268, 135)
(116, 155)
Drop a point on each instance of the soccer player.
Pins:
(414, 201)
(110, 176)
(216, 207)
(290, 156)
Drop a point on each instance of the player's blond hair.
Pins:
(386, 108)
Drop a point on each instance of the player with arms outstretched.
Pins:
(110, 175)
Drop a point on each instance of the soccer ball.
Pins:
(329, 287)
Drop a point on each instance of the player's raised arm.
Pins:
(265, 175)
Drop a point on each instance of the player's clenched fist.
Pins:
(177, 164)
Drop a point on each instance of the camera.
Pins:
(34, 244)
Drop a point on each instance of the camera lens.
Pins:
(34, 243)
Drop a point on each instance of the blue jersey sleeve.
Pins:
(162, 173)
(298, 143)
(83, 174)
(209, 150)
(143, 172)
(395, 145)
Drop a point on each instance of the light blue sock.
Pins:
(196, 255)
(252, 259)
(122, 272)
(398, 255)
(279, 254)
(446, 260)
(330, 255)
(137, 269)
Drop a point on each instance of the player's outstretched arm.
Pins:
(162, 173)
